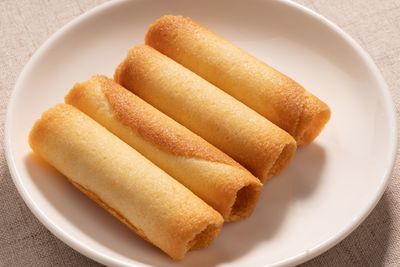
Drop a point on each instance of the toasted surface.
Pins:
(263, 88)
(204, 169)
(121, 180)
(240, 132)
(159, 128)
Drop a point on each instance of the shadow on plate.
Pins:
(299, 180)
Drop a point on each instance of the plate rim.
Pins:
(294, 260)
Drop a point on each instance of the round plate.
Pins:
(325, 193)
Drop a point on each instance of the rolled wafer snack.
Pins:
(258, 85)
(205, 170)
(122, 181)
(246, 136)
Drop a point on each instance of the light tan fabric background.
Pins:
(26, 24)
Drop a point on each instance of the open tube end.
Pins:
(245, 202)
(204, 238)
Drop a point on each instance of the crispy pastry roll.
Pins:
(205, 170)
(256, 143)
(256, 84)
(123, 182)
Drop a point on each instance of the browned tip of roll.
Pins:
(163, 25)
(39, 128)
(126, 72)
(74, 95)
(117, 72)
(315, 116)
(283, 160)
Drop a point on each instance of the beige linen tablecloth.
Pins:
(26, 24)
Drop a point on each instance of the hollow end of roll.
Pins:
(245, 202)
(204, 238)
(280, 163)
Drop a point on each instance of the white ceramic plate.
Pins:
(327, 190)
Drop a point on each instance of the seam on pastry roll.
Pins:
(205, 170)
(123, 182)
(201, 240)
(271, 93)
(237, 130)
(110, 210)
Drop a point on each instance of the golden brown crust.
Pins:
(313, 120)
(129, 110)
(169, 30)
(240, 132)
(178, 141)
(201, 240)
(285, 156)
(266, 90)
(202, 168)
(122, 181)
